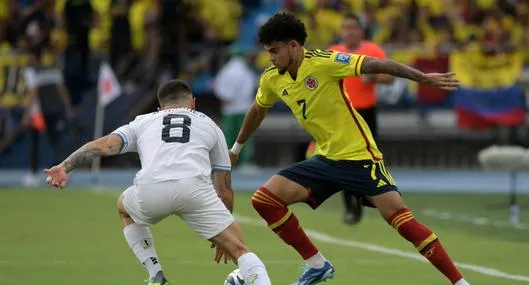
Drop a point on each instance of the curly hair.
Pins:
(282, 27)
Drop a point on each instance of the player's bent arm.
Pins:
(372, 65)
(252, 120)
(105, 146)
(222, 184)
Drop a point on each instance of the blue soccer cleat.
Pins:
(314, 276)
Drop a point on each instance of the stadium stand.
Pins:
(190, 39)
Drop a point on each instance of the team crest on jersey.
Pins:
(343, 58)
(311, 82)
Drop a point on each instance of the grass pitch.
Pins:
(74, 236)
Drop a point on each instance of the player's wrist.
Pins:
(236, 148)
(423, 78)
(65, 166)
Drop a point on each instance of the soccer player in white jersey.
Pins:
(179, 149)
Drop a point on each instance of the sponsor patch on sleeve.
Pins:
(343, 58)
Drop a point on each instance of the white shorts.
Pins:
(193, 199)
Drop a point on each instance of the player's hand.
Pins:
(219, 253)
(234, 158)
(445, 81)
(57, 176)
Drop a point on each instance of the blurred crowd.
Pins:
(147, 41)
(136, 36)
(415, 27)
(188, 38)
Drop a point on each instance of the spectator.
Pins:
(174, 21)
(120, 42)
(23, 11)
(78, 15)
(143, 17)
(47, 93)
(361, 91)
(235, 86)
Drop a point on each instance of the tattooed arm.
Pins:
(222, 182)
(372, 65)
(445, 81)
(105, 146)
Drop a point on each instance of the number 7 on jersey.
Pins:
(303, 104)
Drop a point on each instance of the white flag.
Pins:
(108, 86)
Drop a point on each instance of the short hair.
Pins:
(352, 16)
(282, 27)
(174, 90)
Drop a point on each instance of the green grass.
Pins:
(74, 237)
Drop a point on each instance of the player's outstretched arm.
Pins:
(222, 183)
(445, 81)
(252, 120)
(105, 146)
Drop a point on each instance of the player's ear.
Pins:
(194, 103)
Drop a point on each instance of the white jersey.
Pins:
(175, 144)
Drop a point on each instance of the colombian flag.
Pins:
(483, 109)
(489, 95)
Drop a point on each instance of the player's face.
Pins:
(281, 54)
(351, 31)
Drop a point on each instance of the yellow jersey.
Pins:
(319, 102)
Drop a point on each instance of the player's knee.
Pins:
(256, 203)
(121, 207)
(123, 214)
(263, 199)
(388, 204)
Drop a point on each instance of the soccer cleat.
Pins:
(158, 279)
(316, 275)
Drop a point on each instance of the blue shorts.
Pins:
(324, 177)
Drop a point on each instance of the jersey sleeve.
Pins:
(128, 136)
(341, 65)
(265, 96)
(219, 156)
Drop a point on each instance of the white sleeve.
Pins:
(30, 77)
(219, 156)
(128, 136)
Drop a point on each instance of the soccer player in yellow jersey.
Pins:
(310, 83)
